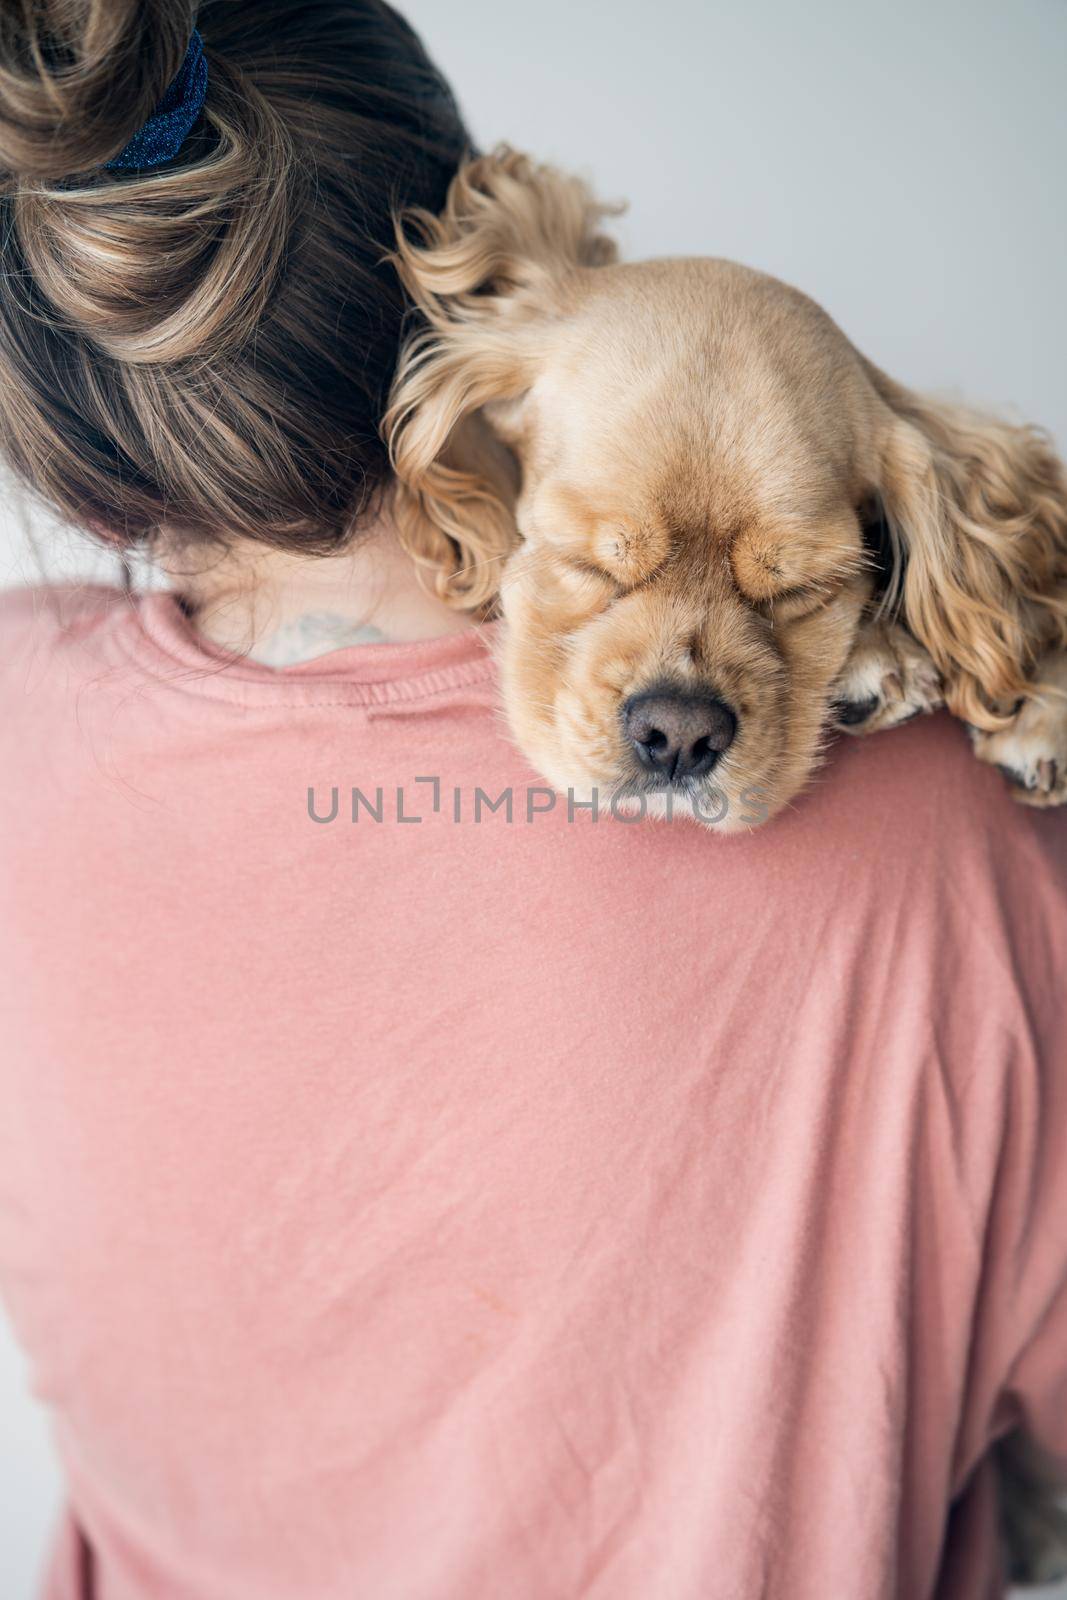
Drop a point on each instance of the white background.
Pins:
(902, 162)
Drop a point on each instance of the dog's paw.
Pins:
(1031, 751)
(888, 679)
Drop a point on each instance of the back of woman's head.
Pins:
(207, 345)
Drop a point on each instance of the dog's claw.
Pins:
(852, 713)
(1031, 750)
(887, 680)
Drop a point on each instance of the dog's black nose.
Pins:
(677, 734)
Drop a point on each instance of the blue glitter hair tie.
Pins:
(172, 121)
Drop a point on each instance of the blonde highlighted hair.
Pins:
(208, 345)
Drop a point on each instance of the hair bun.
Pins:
(79, 77)
(203, 348)
(151, 266)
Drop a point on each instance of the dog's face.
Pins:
(692, 569)
(680, 556)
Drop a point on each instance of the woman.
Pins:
(411, 1185)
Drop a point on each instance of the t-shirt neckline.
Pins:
(356, 674)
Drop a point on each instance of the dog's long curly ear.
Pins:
(487, 276)
(978, 510)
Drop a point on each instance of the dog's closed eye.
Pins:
(591, 569)
(586, 585)
(787, 605)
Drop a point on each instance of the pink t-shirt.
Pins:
(520, 1208)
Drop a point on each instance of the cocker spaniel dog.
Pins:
(714, 529)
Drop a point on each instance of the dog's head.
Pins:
(664, 472)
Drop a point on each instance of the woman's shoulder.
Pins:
(916, 804)
(51, 632)
(53, 639)
(45, 620)
(34, 613)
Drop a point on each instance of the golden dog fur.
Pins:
(661, 473)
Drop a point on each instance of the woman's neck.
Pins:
(280, 608)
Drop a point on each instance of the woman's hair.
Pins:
(209, 344)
